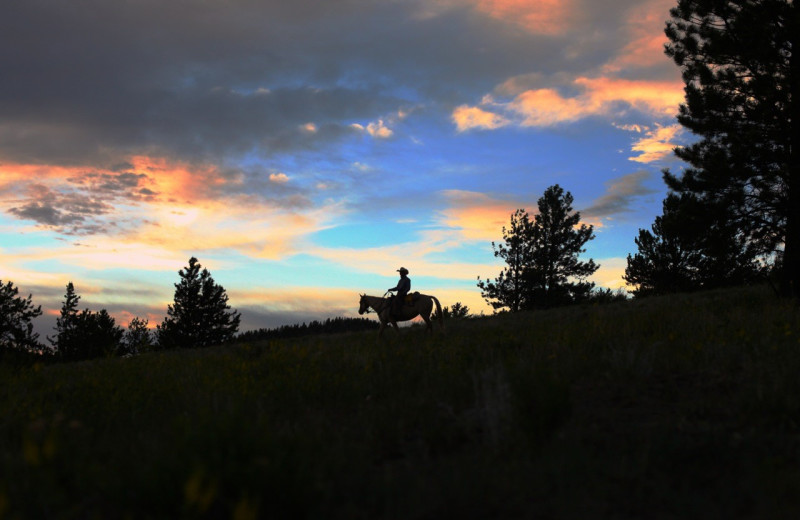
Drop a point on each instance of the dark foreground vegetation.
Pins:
(684, 406)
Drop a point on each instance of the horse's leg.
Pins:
(428, 325)
(396, 328)
(380, 329)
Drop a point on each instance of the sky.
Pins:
(305, 150)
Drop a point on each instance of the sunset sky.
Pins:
(304, 150)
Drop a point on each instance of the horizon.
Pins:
(304, 152)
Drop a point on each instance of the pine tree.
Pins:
(66, 342)
(556, 275)
(98, 335)
(508, 289)
(16, 313)
(668, 257)
(689, 248)
(457, 312)
(200, 315)
(741, 78)
(543, 269)
(85, 334)
(138, 338)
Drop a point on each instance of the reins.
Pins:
(384, 301)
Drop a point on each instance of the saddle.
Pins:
(409, 298)
(412, 297)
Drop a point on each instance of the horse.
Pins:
(421, 305)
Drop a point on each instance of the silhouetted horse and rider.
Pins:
(401, 307)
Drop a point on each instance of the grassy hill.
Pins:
(679, 407)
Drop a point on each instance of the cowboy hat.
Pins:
(402, 270)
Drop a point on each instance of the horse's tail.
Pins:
(439, 311)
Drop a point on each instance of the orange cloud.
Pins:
(13, 175)
(183, 213)
(597, 96)
(378, 129)
(467, 118)
(235, 223)
(178, 181)
(537, 16)
(548, 17)
(546, 107)
(476, 215)
(280, 178)
(645, 25)
(656, 144)
(609, 275)
(658, 97)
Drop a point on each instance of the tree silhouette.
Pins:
(668, 257)
(16, 313)
(741, 79)
(98, 334)
(689, 248)
(458, 311)
(200, 315)
(509, 288)
(543, 269)
(66, 342)
(138, 338)
(85, 334)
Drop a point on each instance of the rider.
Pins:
(403, 287)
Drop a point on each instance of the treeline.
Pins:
(733, 216)
(199, 316)
(329, 326)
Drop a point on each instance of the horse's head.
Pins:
(363, 304)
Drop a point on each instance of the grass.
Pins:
(680, 407)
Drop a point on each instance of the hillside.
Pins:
(678, 407)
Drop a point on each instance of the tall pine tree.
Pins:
(556, 275)
(16, 313)
(508, 290)
(65, 344)
(200, 315)
(543, 268)
(741, 79)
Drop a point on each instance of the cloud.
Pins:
(186, 208)
(475, 215)
(645, 27)
(599, 96)
(467, 118)
(542, 17)
(656, 144)
(379, 129)
(619, 196)
(544, 107)
(609, 275)
(280, 178)
(75, 213)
